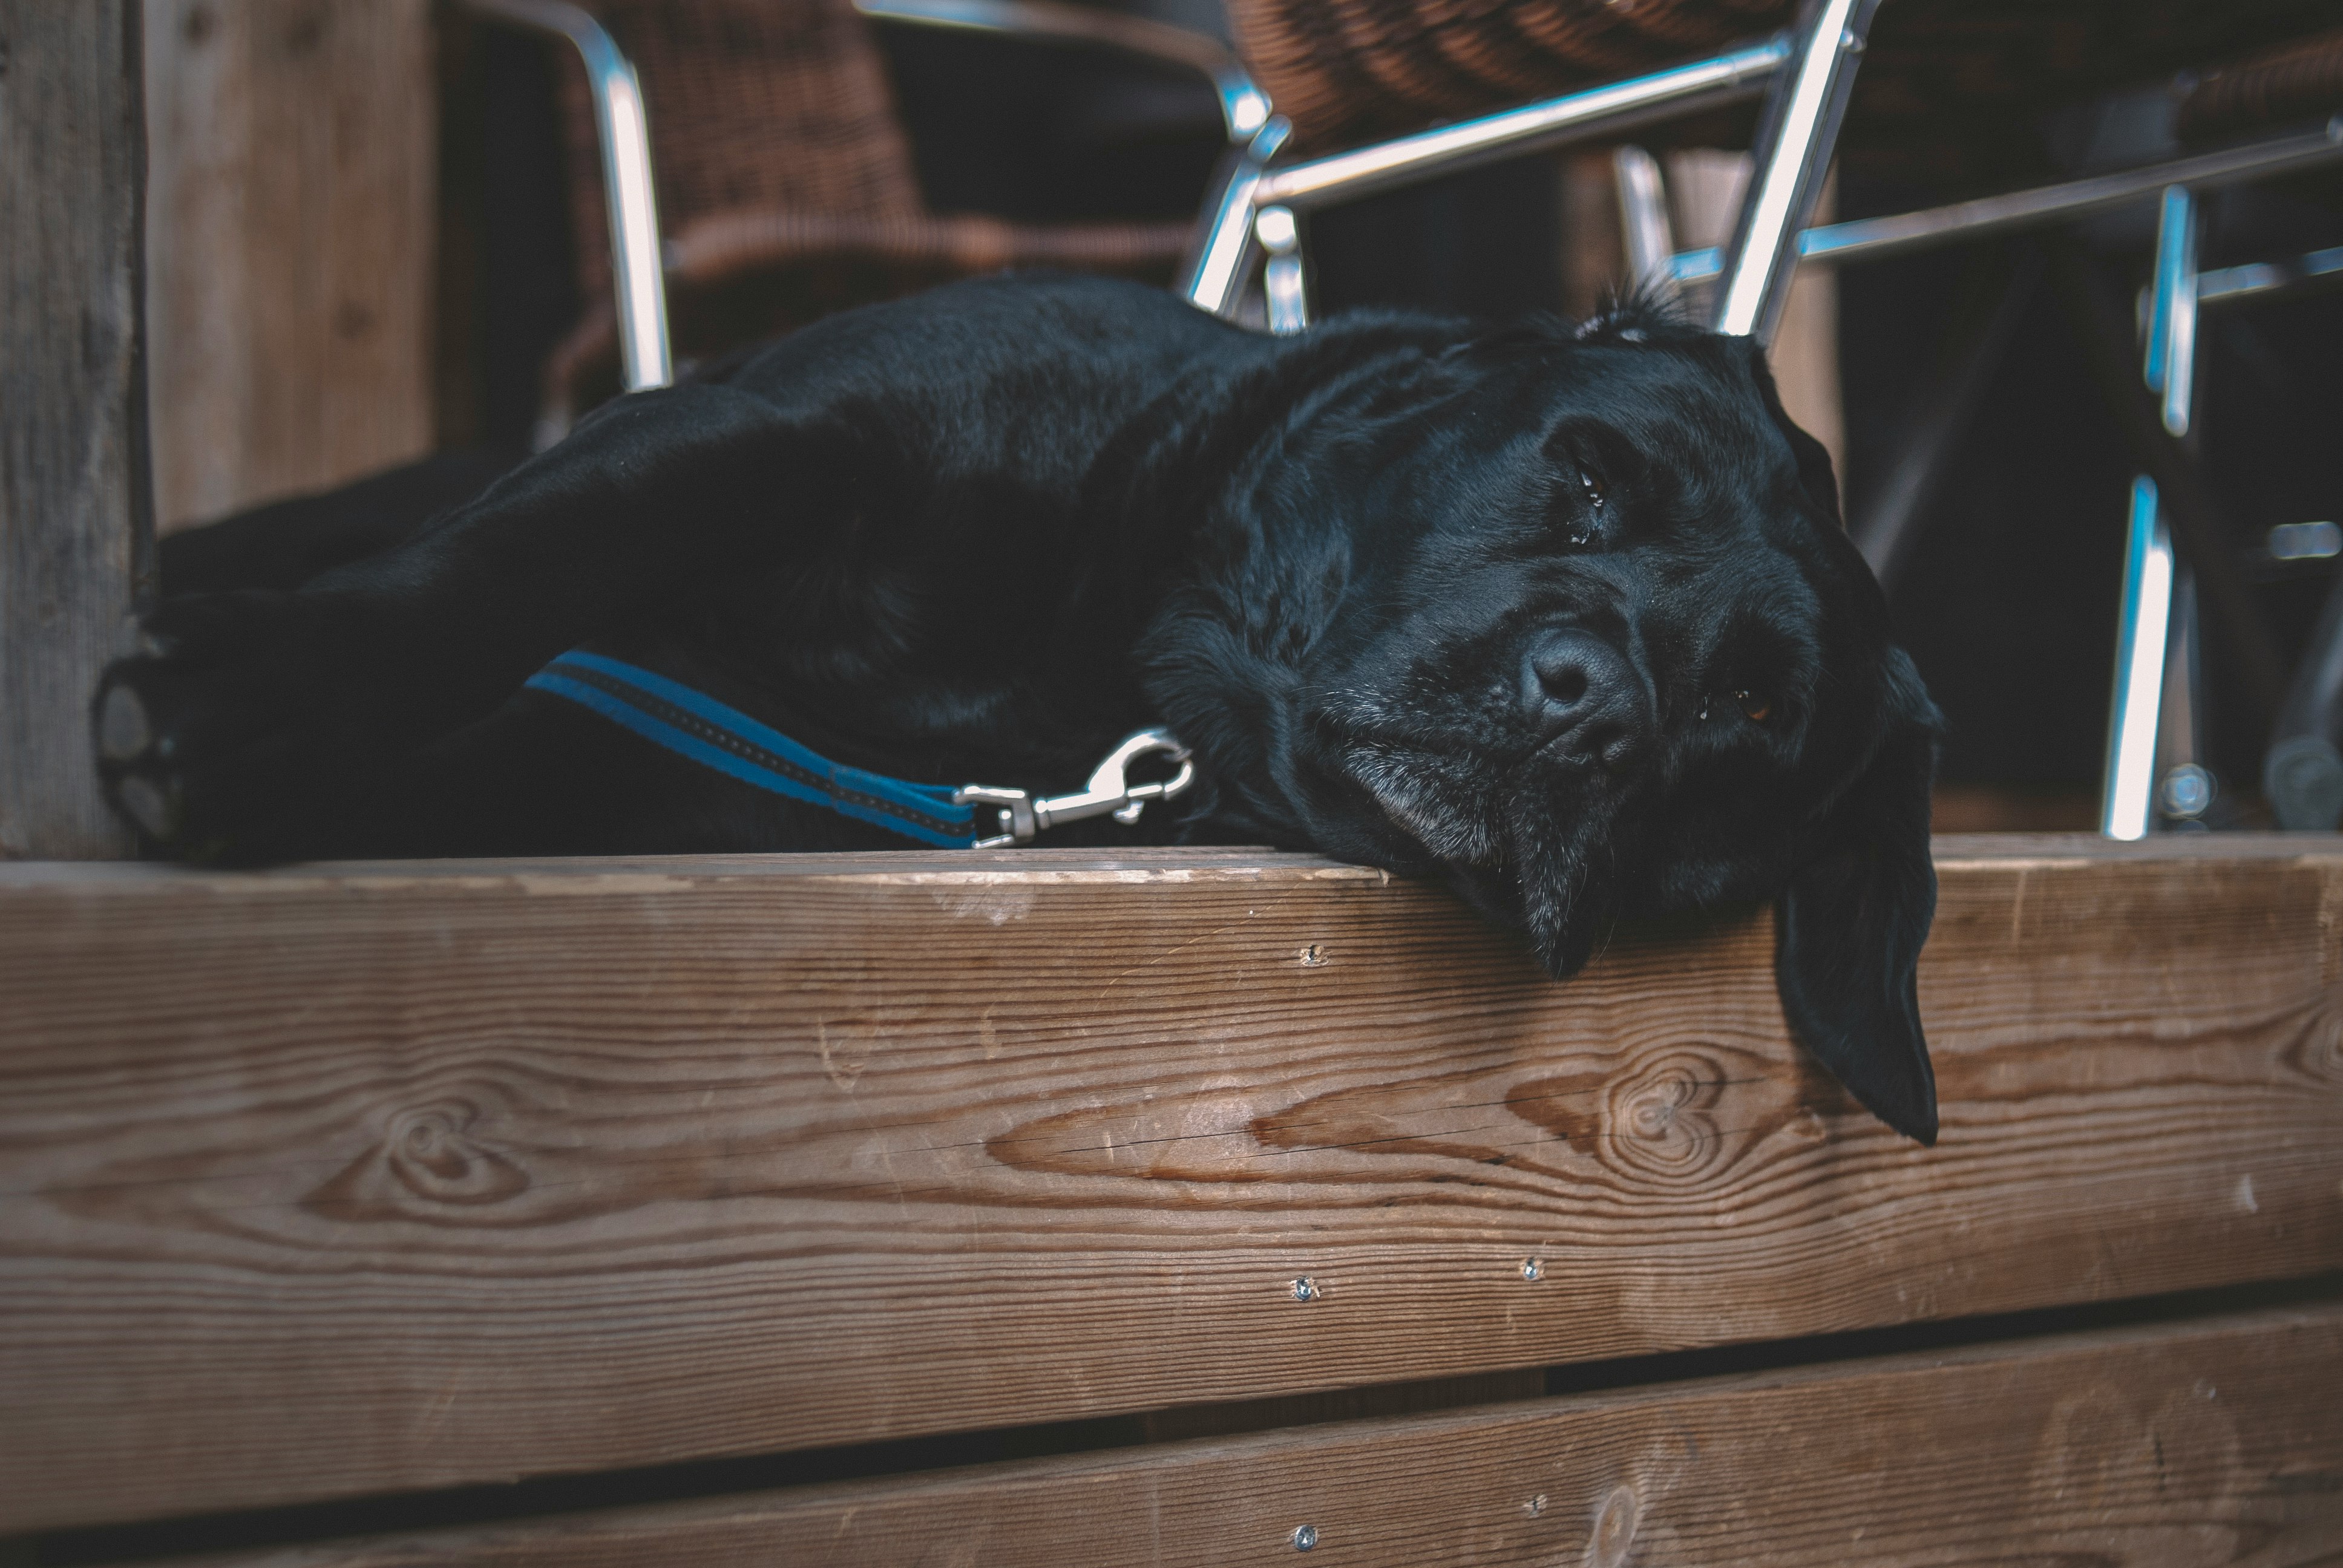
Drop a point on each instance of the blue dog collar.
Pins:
(692, 724)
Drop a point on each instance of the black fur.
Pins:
(1472, 607)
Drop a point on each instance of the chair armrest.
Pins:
(1244, 107)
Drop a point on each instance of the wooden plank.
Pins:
(291, 221)
(75, 535)
(2215, 1443)
(344, 1179)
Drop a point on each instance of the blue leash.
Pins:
(693, 724)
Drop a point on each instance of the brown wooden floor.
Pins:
(334, 1182)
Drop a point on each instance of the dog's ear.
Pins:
(1815, 476)
(1856, 916)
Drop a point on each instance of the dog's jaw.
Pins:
(1434, 800)
(1532, 845)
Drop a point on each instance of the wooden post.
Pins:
(75, 529)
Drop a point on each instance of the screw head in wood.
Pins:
(1305, 1289)
(1305, 1536)
(1533, 1270)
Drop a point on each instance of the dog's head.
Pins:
(1570, 622)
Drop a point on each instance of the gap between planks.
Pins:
(2207, 1442)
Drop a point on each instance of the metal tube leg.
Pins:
(620, 124)
(1648, 237)
(2141, 629)
(2144, 619)
(1794, 152)
(2185, 787)
(1283, 283)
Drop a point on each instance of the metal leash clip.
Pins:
(1107, 794)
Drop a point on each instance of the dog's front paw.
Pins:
(243, 725)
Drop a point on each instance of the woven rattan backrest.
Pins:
(1343, 70)
(755, 106)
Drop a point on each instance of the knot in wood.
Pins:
(2325, 1050)
(1615, 1529)
(429, 1161)
(1660, 1116)
(433, 1154)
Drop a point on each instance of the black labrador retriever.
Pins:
(1564, 619)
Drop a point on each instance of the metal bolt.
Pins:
(2187, 791)
(1532, 1268)
(1305, 1289)
(1305, 1536)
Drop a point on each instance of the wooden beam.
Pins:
(76, 533)
(2208, 1442)
(342, 1179)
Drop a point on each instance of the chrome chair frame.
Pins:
(1806, 73)
(636, 255)
(1871, 238)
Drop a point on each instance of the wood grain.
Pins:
(291, 222)
(2217, 1443)
(344, 1179)
(76, 534)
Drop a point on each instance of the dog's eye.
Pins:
(1756, 706)
(1581, 530)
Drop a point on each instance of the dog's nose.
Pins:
(1580, 691)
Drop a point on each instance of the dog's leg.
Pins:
(259, 718)
(285, 543)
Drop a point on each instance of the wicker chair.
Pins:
(1340, 69)
(1344, 71)
(786, 188)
